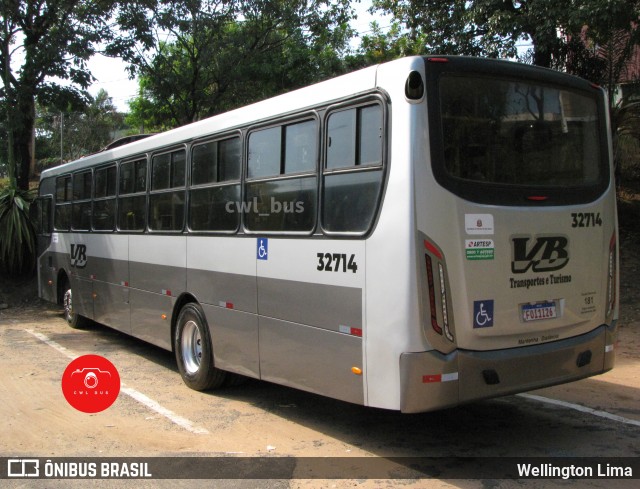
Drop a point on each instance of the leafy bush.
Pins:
(625, 119)
(17, 235)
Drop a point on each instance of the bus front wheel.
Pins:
(194, 352)
(73, 319)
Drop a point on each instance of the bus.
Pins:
(411, 236)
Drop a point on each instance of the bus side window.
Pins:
(62, 218)
(132, 200)
(215, 170)
(81, 207)
(104, 205)
(353, 174)
(166, 201)
(284, 159)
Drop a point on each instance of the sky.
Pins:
(111, 74)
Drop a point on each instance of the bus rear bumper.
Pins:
(432, 380)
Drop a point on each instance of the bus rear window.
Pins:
(514, 134)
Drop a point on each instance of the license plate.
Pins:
(539, 312)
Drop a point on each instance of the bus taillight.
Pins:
(443, 297)
(438, 287)
(612, 275)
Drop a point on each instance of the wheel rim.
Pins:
(191, 346)
(68, 305)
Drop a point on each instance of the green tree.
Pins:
(211, 56)
(473, 28)
(625, 120)
(609, 33)
(145, 114)
(379, 46)
(43, 39)
(495, 27)
(69, 133)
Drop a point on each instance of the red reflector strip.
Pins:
(438, 60)
(537, 198)
(432, 249)
(166, 292)
(349, 330)
(227, 305)
(430, 379)
(93, 277)
(124, 284)
(612, 274)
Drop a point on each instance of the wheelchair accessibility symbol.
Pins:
(483, 314)
(262, 251)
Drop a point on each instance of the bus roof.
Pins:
(297, 100)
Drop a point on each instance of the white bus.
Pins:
(411, 236)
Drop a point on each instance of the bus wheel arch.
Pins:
(182, 301)
(61, 283)
(65, 299)
(193, 348)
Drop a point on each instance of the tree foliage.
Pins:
(210, 56)
(592, 38)
(46, 39)
(625, 119)
(70, 132)
(476, 28)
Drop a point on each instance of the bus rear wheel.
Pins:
(194, 352)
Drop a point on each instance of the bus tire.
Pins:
(194, 351)
(75, 320)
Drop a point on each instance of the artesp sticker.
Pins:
(479, 249)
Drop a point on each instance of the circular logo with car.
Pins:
(91, 383)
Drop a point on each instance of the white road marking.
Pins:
(132, 393)
(154, 406)
(582, 409)
(57, 346)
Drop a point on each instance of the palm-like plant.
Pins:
(17, 235)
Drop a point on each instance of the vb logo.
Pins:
(78, 255)
(540, 254)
